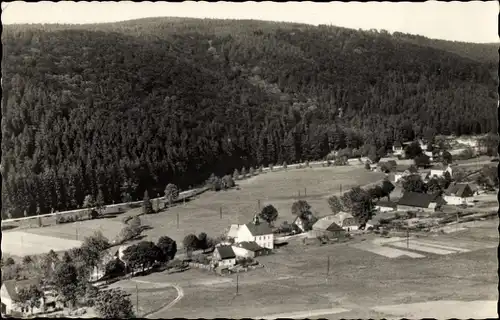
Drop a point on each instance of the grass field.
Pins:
(295, 279)
(238, 206)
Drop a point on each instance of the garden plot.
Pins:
(21, 243)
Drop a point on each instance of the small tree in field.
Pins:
(269, 214)
(236, 174)
(227, 182)
(244, 172)
(335, 204)
(99, 204)
(307, 164)
(190, 243)
(285, 166)
(202, 241)
(114, 304)
(271, 166)
(251, 171)
(29, 297)
(147, 206)
(88, 202)
(261, 169)
(168, 247)
(171, 193)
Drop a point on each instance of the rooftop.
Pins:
(460, 190)
(259, 229)
(226, 252)
(416, 199)
(388, 204)
(250, 246)
(12, 286)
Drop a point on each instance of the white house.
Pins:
(248, 249)
(346, 221)
(299, 222)
(224, 256)
(458, 194)
(261, 233)
(440, 170)
(397, 148)
(429, 154)
(385, 206)
(423, 145)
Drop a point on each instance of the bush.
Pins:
(60, 220)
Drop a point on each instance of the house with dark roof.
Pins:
(415, 201)
(385, 206)
(249, 249)
(458, 194)
(9, 296)
(402, 172)
(224, 256)
(327, 226)
(256, 231)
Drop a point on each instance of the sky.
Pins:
(473, 21)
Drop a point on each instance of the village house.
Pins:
(327, 226)
(423, 145)
(401, 173)
(397, 149)
(419, 202)
(9, 295)
(346, 221)
(224, 256)
(261, 233)
(458, 194)
(385, 206)
(430, 155)
(249, 249)
(439, 171)
(300, 223)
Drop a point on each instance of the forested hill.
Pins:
(128, 107)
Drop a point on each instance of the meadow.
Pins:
(238, 205)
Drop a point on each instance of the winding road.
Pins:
(180, 295)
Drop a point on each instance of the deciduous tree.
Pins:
(269, 214)
(114, 304)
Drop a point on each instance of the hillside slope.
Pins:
(128, 107)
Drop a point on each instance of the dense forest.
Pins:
(131, 106)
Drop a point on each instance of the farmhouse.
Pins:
(439, 171)
(346, 221)
(327, 226)
(414, 201)
(9, 294)
(397, 148)
(249, 249)
(224, 256)
(401, 173)
(300, 223)
(459, 193)
(261, 233)
(385, 206)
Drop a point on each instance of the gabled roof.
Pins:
(326, 223)
(416, 199)
(460, 190)
(233, 231)
(398, 144)
(225, 252)
(259, 229)
(12, 286)
(250, 246)
(388, 204)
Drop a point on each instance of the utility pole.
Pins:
(177, 220)
(299, 194)
(341, 189)
(220, 210)
(137, 301)
(237, 283)
(305, 192)
(327, 268)
(408, 235)
(258, 205)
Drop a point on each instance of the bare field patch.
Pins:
(80, 230)
(21, 243)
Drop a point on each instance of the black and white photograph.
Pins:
(259, 160)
